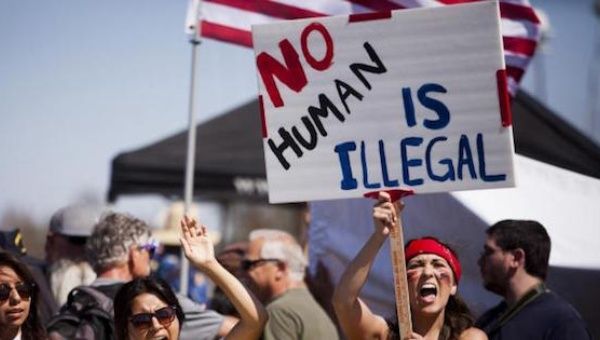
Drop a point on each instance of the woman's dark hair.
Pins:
(126, 294)
(457, 315)
(457, 319)
(32, 328)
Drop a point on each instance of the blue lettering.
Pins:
(465, 157)
(363, 160)
(409, 107)
(449, 175)
(406, 163)
(348, 181)
(384, 169)
(434, 105)
(481, 156)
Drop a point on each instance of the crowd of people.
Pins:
(96, 283)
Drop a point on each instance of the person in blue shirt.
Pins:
(514, 264)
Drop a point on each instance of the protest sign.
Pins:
(412, 99)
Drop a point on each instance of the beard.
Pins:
(494, 286)
(66, 274)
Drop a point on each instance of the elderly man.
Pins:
(120, 249)
(513, 265)
(274, 269)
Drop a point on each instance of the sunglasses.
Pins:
(246, 264)
(150, 248)
(165, 316)
(25, 290)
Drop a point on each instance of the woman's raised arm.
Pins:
(199, 250)
(355, 318)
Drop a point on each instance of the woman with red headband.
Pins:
(433, 272)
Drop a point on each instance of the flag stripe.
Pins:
(520, 29)
(270, 8)
(515, 72)
(516, 60)
(234, 17)
(519, 45)
(231, 21)
(226, 33)
(327, 7)
(359, 17)
(518, 12)
(509, 10)
(379, 5)
(418, 3)
(454, 2)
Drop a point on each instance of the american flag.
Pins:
(231, 20)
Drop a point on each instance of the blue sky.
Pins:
(81, 81)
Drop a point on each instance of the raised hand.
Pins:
(384, 213)
(198, 248)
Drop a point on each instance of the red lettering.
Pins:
(323, 64)
(292, 74)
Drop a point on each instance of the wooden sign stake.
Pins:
(400, 282)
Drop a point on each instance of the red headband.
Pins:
(430, 245)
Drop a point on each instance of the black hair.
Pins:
(126, 294)
(32, 328)
(530, 236)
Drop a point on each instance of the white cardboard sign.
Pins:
(412, 99)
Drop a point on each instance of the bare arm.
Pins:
(200, 251)
(473, 334)
(356, 319)
(227, 325)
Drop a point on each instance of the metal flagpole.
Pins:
(594, 84)
(191, 147)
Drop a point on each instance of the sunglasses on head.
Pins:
(25, 290)
(247, 264)
(165, 316)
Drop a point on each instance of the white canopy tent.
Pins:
(565, 202)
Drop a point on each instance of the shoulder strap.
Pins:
(104, 302)
(531, 295)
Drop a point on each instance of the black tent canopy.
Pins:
(230, 161)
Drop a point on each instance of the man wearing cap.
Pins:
(120, 249)
(68, 232)
(274, 270)
(514, 264)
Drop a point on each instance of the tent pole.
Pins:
(191, 153)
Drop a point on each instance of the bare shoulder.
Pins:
(473, 334)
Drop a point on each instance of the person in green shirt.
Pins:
(274, 269)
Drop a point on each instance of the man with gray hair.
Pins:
(274, 270)
(120, 249)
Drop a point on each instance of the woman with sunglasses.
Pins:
(18, 301)
(199, 249)
(147, 308)
(433, 272)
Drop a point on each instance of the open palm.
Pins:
(198, 248)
